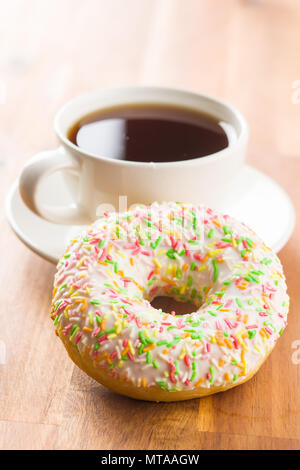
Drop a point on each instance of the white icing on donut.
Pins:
(108, 276)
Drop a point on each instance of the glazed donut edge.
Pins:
(145, 394)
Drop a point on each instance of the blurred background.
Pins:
(246, 51)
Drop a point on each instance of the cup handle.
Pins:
(39, 167)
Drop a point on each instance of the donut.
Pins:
(109, 275)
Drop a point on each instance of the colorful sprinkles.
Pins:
(108, 276)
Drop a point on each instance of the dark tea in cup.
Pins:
(150, 133)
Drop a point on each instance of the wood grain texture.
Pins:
(243, 51)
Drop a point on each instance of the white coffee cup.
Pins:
(101, 180)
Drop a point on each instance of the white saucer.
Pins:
(258, 201)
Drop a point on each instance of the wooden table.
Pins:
(244, 51)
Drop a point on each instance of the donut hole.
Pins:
(169, 305)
